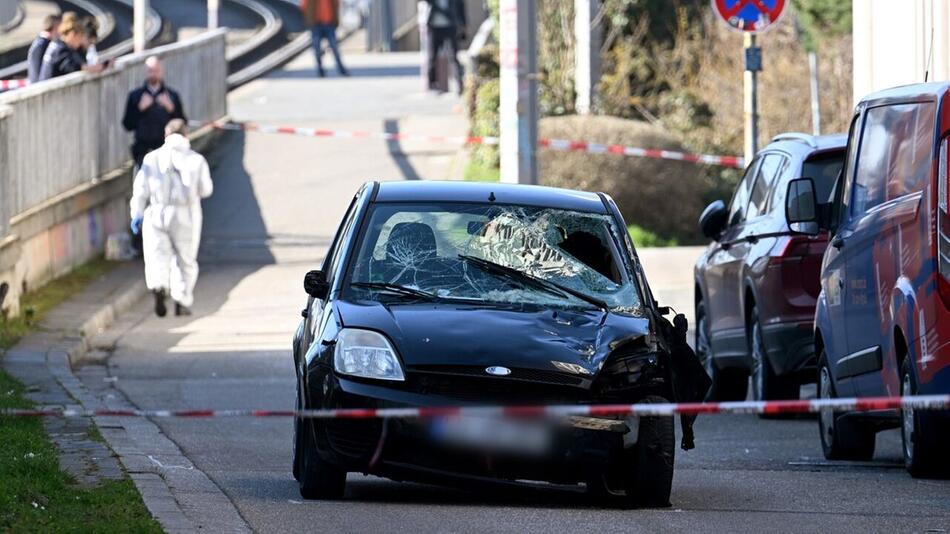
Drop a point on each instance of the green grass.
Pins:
(35, 304)
(476, 172)
(645, 238)
(35, 495)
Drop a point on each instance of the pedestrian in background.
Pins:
(92, 33)
(149, 108)
(38, 48)
(71, 57)
(166, 211)
(446, 24)
(46, 65)
(323, 17)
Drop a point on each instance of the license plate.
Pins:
(493, 434)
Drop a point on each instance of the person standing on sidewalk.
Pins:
(446, 24)
(323, 17)
(37, 50)
(149, 108)
(166, 211)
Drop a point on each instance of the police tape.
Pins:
(552, 144)
(9, 85)
(870, 404)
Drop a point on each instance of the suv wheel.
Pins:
(922, 447)
(727, 384)
(766, 385)
(841, 438)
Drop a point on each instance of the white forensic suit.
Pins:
(167, 194)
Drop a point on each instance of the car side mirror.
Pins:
(316, 285)
(801, 207)
(712, 222)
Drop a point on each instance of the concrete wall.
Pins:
(65, 165)
(892, 43)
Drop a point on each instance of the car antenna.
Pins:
(491, 196)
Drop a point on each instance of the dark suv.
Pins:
(757, 282)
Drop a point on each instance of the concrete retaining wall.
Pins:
(65, 166)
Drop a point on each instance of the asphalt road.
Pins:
(278, 201)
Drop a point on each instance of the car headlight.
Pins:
(367, 354)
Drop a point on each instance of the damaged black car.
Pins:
(458, 294)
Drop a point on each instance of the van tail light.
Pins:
(942, 240)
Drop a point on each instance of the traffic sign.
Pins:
(750, 16)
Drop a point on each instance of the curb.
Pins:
(103, 319)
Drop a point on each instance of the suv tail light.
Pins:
(942, 241)
(799, 258)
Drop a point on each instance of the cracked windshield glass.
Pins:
(493, 253)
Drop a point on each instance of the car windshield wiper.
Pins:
(395, 288)
(534, 281)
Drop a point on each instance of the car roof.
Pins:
(806, 145)
(916, 91)
(481, 192)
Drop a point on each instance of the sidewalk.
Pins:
(44, 362)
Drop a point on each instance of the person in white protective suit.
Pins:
(166, 208)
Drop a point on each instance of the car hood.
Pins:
(443, 334)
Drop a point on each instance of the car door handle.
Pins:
(752, 239)
(840, 284)
(837, 242)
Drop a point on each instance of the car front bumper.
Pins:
(414, 449)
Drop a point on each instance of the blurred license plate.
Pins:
(493, 434)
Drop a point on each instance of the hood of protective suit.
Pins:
(173, 153)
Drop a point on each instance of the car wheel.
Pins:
(841, 439)
(922, 447)
(318, 478)
(766, 385)
(727, 384)
(652, 464)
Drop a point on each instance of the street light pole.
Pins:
(213, 6)
(519, 91)
(587, 54)
(139, 12)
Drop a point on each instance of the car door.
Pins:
(727, 331)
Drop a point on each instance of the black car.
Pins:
(454, 293)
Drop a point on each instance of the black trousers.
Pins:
(437, 38)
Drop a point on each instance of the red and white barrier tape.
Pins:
(553, 144)
(9, 85)
(922, 402)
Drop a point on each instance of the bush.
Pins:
(485, 123)
(644, 238)
(660, 196)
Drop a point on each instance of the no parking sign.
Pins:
(750, 16)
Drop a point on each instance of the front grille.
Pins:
(532, 375)
(493, 390)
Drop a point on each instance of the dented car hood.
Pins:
(529, 338)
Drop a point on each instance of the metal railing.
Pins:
(64, 133)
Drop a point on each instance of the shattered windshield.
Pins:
(495, 254)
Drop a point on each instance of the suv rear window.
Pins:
(824, 170)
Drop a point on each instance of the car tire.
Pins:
(318, 478)
(924, 454)
(652, 479)
(766, 385)
(727, 384)
(841, 438)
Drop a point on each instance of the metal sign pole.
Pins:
(587, 54)
(815, 95)
(139, 12)
(753, 64)
(213, 13)
(519, 91)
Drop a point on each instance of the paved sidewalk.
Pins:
(43, 361)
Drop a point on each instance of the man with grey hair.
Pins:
(166, 211)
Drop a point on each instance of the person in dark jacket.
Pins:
(148, 110)
(34, 56)
(446, 25)
(71, 57)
